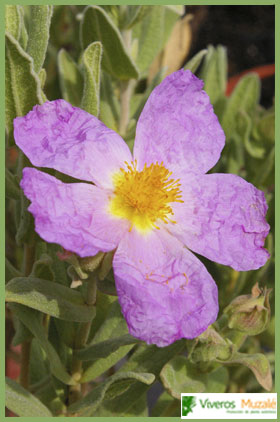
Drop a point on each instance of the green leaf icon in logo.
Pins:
(188, 402)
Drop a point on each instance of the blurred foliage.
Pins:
(89, 56)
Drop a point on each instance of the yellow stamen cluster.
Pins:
(144, 197)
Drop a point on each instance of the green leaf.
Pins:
(144, 359)
(49, 297)
(113, 326)
(149, 33)
(113, 11)
(109, 104)
(66, 331)
(134, 14)
(103, 304)
(23, 88)
(11, 271)
(258, 364)
(178, 376)
(25, 228)
(21, 332)
(23, 35)
(105, 348)
(42, 268)
(12, 189)
(13, 20)
(91, 60)
(265, 128)
(64, 352)
(118, 387)
(140, 408)
(137, 108)
(107, 286)
(217, 381)
(245, 97)
(194, 63)
(214, 72)
(88, 405)
(59, 267)
(70, 78)
(42, 76)
(266, 168)
(38, 366)
(244, 127)
(31, 319)
(96, 25)
(23, 403)
(164, 406)
(38, 34)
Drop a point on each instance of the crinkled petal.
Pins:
(178, 126)
(223, 219)
(165, 292)
(73, 215)
(72, 141)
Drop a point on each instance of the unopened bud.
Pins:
(91, 263)
(212, 346)
(250, 313)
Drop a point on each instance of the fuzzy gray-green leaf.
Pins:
(38, 34)
(144, 359)
(22, 402)
(113, 326)
(109, 104)
(258, 364)
(245, 97)
(88, 405)
(97, 26)
(149, 33)
(13, 20)
(49, 297)
(31, 319)
(134, 14)
(23, 88)
(195, 61)
(70, 78)
(105, 348)
(178, 376)
(10, 271)
(91, 61)
(216, 381)
(23, 39)
(12, 189)
(215, 73)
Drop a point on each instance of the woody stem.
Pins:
(81, 340)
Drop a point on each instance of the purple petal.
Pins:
(165, 292)
(178, 126)
(70, 140)
(223, 219)
(72, 215)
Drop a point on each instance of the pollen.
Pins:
(145, 197)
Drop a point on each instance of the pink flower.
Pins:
(153, 207)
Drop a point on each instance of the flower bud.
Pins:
(212, 346)
(250, 313)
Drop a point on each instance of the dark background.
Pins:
(248, 32)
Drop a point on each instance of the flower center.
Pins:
(144, 197)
